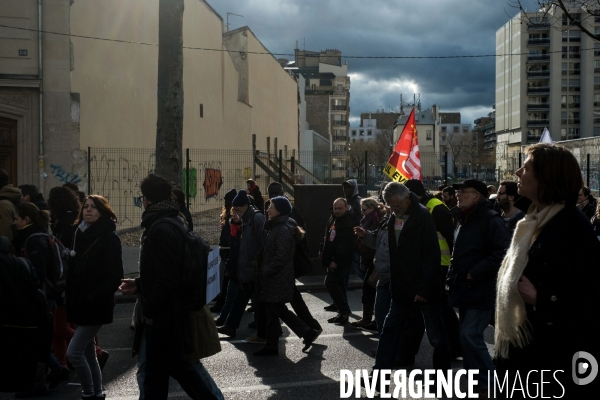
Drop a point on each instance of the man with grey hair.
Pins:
(414, 279)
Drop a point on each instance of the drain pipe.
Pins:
(41, 102)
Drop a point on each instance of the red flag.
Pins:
(405, 162)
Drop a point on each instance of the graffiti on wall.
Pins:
(193, 179)
(212, 182)
(64, 176)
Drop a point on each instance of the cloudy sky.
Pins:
(390, 28)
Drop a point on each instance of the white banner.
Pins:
(213, 280)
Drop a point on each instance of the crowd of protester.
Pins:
(447, 264)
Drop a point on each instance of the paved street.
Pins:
(292, 375)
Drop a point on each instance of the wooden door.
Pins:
(8, 148)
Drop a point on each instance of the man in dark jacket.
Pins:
(254, 191)
(253, 222)
(336, 256)
(414, 272)
(481, 240)
(507, 196)
(351, 193)
(167, 330)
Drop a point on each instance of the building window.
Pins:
(597, 66)
(444, 130)
(361, 132)
(465, 129)
(597, 131)
(597, 116)
(428, 134)
(597, 45)
(353, 132)
(597, 82)
(455, 129)
(369, 132)
(597, 99)
(201, 110)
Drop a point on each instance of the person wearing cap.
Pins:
(224, 239)
(444, 225)
(253, 222)
(481, 240)
(298, 304)
(275, 279)
(254, 191)
(506, 198)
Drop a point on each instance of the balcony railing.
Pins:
(596, 86)
(571, 72)
(339, 108)
(533, 74)
(596, 53)
(340, 138)
(539, 25)
(533, 138)
(571, 54)
(539, 89)
(569, 121)
(597, 120)
(538, 42)
(535, 122)
(571, 88)
(570, 105)
(340, 123)
(538, 106)
(538, 57)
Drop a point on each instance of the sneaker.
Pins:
(102, 359)
(331, 307)
(256, 340)
(372, 327)
(226, 330)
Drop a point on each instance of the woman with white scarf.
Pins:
(547, 284)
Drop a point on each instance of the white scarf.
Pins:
(512, 326)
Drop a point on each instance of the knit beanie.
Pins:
(229, 196)
(415, 186)
(282, 204)
(241, 199)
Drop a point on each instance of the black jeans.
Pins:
(268, 326)
(368, 291)
(242, 297)
(335, 285)
(162, 362)
(302, 311)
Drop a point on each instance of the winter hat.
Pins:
(229, 196)
(241, 199)
(415, 186)
(282, 204)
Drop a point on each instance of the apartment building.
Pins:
(547, 75)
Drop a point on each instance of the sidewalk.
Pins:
(310, 283)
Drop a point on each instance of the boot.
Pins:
(366, 318)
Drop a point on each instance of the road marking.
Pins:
(287, 339)
(274, 386)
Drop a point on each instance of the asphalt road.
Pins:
(291, 375)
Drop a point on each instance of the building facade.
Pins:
(61, 94)
(545, 77)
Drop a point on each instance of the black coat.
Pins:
(479, 249)
(259, 202)
(161, 268)
(276, 279)
(339, 248)
(94, 274)
(415, 257)
(36, 249)
(560, 266)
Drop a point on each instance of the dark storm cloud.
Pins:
(390, 28)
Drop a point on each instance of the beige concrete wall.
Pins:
(21, 14)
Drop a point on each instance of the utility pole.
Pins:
(169, 125)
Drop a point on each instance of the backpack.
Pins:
(195, 267)
(56, 270)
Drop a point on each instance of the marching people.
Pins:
(372, 215)
(254, 192)
(444, 225)
(253, 222)
(547, 284)
(165, 335)
(336, 256)
(586, 202)
(95, 272)
(298, 304)
(481, 239)
(224, 239)
(350, 188)
(506, 198)
(275, 280)
(415, 283)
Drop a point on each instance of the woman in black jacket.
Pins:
(276, 279)
(546, 297)
(31, 240)
(95, 273)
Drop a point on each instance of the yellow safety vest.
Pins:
(444, 248)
